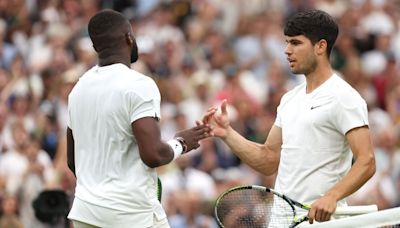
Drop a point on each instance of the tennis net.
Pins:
(385, 218)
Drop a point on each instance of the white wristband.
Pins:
(176, 147)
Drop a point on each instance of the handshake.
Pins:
(213, 124)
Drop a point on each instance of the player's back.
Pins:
(102, 106)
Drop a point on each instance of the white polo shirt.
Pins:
(109, 170)
(315, 153)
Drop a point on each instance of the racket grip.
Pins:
(159, 189)
(356, 210)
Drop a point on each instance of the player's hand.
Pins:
(218, 120)
(193, 135)
(322, 209)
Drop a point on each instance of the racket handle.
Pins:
(159, 189)
(356, 210)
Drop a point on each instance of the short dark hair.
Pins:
(315, 25)
(107, 29)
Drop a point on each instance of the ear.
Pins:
(320, 47)
(129, 38)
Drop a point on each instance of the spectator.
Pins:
(10, 218)
(14, 163)
(38, 176)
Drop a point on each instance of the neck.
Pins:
(109, 59)
(315, 78)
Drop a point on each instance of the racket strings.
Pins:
(252, 208)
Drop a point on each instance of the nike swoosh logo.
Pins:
(317, 106)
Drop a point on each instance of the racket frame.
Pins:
(291, 202)
(352, 210)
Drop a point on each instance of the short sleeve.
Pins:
(282, 103)
(145, 102)
(145, 108)
(351, 112)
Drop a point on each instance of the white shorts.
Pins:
(87, 215)
(163, 223)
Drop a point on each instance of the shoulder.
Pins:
(345, 94)
(86, 75)
(83, 80)
(140, 85)
(293, 93)
(141, 80)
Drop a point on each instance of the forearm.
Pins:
(362, 170)
(258, 156)
(165, 154)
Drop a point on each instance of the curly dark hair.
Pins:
(315, 25)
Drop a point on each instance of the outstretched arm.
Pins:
(262, 157)
(361, 171)
(153, 150)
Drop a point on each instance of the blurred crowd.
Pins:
(199, 52)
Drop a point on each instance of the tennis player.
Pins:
(113, 136)
(320, 125)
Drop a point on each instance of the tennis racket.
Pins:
(258, 206)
